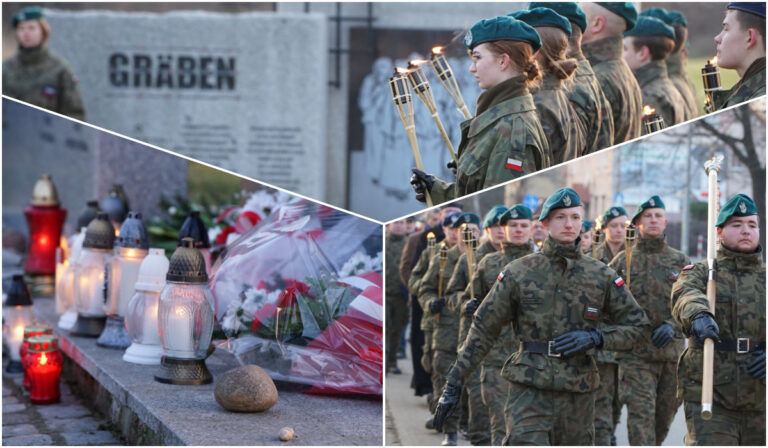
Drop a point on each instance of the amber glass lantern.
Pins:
(65, 287)
(90, 278)
(43, 364)
(185, 316)
(131, 247)
(194, 228)
(45, 220)
(17, 313)
(31, 331)
(141, 316)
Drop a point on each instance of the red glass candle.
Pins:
(45, 219)
(43, 363)
(31, 331)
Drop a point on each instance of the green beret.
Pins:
(611, 213)
(543, 17)
(28, 13)
(562, 198)
(652, 202)
(466, 218)
(450, 218)
(586, 226)
(518, 211)
(739, 205)
(626, 10)
(492, 217)
(501, 28)
(677, 18)
(756, 8)
(651, 26)
(569, 10)
(658, 13)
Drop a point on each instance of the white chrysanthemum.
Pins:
(358, 263)
(231, 321)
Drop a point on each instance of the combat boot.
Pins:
(449, 439)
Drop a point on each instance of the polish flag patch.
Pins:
(619, 281)
(501, 276)
(514, 164)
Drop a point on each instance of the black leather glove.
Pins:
(421, 182)
(452, 166)
(436, 305)
(471, 306)
(447, 404)
(757, 366)
(703, 326)
(662, 335)
(578, 342)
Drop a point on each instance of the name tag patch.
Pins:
(590, 313)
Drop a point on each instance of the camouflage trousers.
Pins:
(495, 390)
(607, 404)
(543, 417)
(441, 363)
(477, 413)
(397, 319)
(726, 428)
(649, 389)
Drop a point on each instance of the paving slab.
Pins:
(11, 408)
(83, 424)
(36, 439)
(89, 438)
(19, 430)
(189, 415)
(63, 412)
(16, 418)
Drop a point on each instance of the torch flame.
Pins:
(43, 360)
(627, 223)
(712, 61)
(430, 235)
(540, 243)
(401, 71)
(417, 62)
(442, 244)
(648, 110)
(437, 50)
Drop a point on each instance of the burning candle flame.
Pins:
(648, 110)
(19, 331)
(43, 360)
(712, 61)
(437, 50)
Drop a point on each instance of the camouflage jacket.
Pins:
(619, 86)
(487, 272)
(739, 313)
(565, 132)
(446, 328)
(545, 295)
(501, 143)
(393, 251)
(660, 93)
(44, 80)
(604, 253)
(655, 267)
(751, 85)
(677, 71)
(414, 283)
(592, 108)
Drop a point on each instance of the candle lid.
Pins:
(18, 293)
(100, 234)
(37, 330)
(114, 205)
(152, 271)
(44, 193)
(43, 344)
(133, 233)
(88, 213)
(187, 264)
(194, 227)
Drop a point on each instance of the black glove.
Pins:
(757, 366)
(471, 306)
(703, 326)
(578, 342)
(436, 305)
(662, 335)
(421, 182)
(446, 404)
(452, 166)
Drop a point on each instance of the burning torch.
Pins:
(444, 72)
(597, 238)
(653, 122)
(630, 236)
(442, 260)
(431, 245)
(421, 86)
(710, 76)
(470, 245)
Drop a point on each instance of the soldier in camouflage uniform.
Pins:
(555, 300)
(35, 75)
(647, 383)
(565, 131)
(396, 295)
(584, 92)
(741, 46)
(738, 329)
(517, 229)
(445, 331)
(586, 237)
(607, 403)
(602, 45)
(478, 426)
(646, 48)
(504, 140)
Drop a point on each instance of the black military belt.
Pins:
(544, 348)
(740, 345)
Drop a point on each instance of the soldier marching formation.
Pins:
(561, 80)
(542, 344)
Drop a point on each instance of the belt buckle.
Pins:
(549, 350)
(742, 342)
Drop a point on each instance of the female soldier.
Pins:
(504, 140)
(566, 134)
(35, 75)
